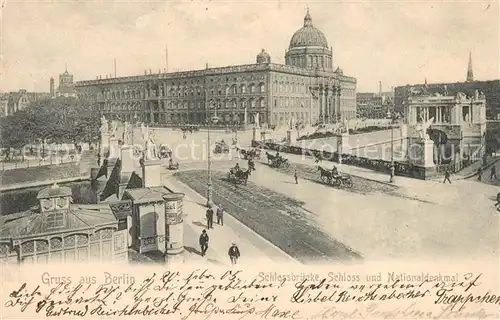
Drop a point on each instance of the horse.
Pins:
(325, 174)
(318, 157)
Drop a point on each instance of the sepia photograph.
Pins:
(293, 141)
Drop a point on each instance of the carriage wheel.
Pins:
(347, 182)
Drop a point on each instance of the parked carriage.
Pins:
(221, 147)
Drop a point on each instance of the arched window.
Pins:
(243, 88)
(252, 103)
(262, 87)
(233, 89)
(252, 88)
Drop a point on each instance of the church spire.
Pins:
(470, 73)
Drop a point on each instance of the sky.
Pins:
(395, 42)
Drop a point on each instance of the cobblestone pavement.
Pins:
(276, 217)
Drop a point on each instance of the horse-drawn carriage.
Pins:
(221, 147)
(334, 178)
(277, 161)
(238, 176)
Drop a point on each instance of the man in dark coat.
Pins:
(479, 174)
(204, 242)
(447, 175)
(220, 215)
(493, 173)
(234, 253)
(210, 218)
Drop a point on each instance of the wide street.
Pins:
(410, 219)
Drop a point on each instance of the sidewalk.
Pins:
(254, 249)
(471, 170)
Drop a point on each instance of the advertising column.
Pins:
(174, 225)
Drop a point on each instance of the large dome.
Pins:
(308, 36)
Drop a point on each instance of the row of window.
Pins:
(181, 92)
(67, 242)
(311, 61)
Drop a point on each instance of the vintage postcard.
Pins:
(250, 159)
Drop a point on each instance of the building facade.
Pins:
(307, 89)
(458, 126)
(491, 90)
(13, 102)
(59, 231)
(66, 86)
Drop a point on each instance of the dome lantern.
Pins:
(309, 48)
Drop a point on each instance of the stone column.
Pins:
(327, 105)
(114, 148)
(320, 100)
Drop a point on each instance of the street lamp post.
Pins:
(392, 168)
(209, 156)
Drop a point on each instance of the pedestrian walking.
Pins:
(98, 159)
(220, 215)
(479, 174)
(234, 253)
(296, 177)
(493, 173)
(210, 218)
(447, 175)
(204, 242)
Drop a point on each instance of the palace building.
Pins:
(308, 88)
(490, 88)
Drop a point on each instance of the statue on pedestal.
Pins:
(114, 127)
(104, 125)
(256, 120)
(127, 133)
(151, 147)
(346, 125)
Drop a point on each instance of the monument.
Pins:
(151, 164)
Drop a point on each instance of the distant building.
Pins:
(490, 88)
(458, 124)
(308, 88)
(59, 231)
(13, 102)
(374, 105)
(66, 85)
(369, 105)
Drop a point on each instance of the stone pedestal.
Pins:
(127, 157)
(256, 133)
(421, 153)
(104, 144)
(151, 173)
(114, 148)
(174, 223)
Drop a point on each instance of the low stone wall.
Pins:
(401, 168)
